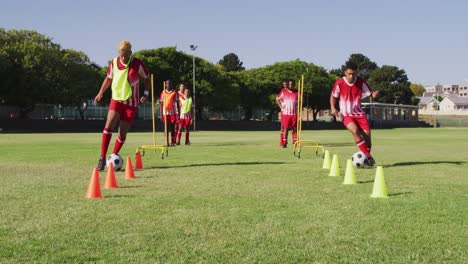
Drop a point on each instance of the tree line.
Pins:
(35, 70)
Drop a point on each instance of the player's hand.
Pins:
(375, 94)
(143, 99)
(335, 112)
(191, 121)
(97, 98)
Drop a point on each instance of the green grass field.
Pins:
(236, 197)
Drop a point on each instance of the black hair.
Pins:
(350, 65)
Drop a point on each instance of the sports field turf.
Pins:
(236, 197)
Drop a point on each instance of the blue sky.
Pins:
(429, 39)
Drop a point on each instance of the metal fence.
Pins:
(46, 111)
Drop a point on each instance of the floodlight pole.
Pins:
(193, 48)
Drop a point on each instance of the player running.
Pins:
(287, 101)
(350, 90)
(123, 75)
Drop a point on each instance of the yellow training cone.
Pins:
(335, 167)
(380, 188)
(349, 177)
(326, 160)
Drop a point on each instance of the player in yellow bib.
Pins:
(123, 75)
(186, 113)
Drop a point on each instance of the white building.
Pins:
(447, 89)
(454, 104)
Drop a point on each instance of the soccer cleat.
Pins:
(370, 161)
(178, 143)
(187, 142)
(101, 164)
(285, 145)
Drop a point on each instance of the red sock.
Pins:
(187, 136)
(106, 137)
(118, 144)
(363, 147)
(294, 136)
(281, 138)
(179, 135)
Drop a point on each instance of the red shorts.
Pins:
(127, 113)
(171, 119)
(288, 121)
(185, 122)
(360, 121)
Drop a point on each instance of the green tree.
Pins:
(79, 80)
(364, 66)
(215, 88)
(29, 70)
(259, 87)
(36, 70)
(417, 89)
(393, 85)
(231, 62)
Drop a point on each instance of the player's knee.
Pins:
(354, 131)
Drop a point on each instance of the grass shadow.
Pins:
(412, 163)
(120, 196)
(362, 182)
(225, 144)
(220, 164)
(399, 193)
(342, 144)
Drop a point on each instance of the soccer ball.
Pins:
(116, 161)
(359, 159)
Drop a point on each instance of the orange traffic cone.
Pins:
(111, 182)
(129, 173)
(94, 188)
(138, 162)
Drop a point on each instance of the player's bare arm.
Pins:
(334, 111)
(147, 84)
(105, 84)
(279, 102)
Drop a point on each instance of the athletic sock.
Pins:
(187, 136)
(106, 137)
(179, 135)
(173, 137)
(363, 147)
(294, 136)
(118, 144)
(281, 138)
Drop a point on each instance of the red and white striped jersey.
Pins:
(186, 116)
(181, 94)
(168, 102)
(288, 100)
(350, 95)
(136, 69)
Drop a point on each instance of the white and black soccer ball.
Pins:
(359, 159)
(116, 161)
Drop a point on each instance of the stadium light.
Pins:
(193, 48)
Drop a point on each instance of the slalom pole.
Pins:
(165, 116)
(152, 111)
